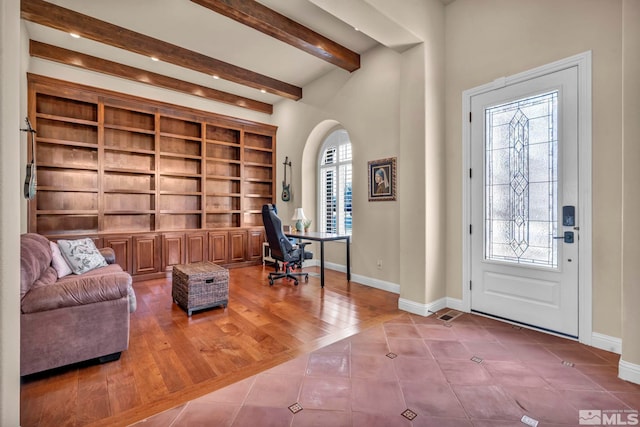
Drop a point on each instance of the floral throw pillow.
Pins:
(81, 255)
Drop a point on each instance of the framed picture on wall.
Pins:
(382, 179)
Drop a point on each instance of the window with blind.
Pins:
(335, 180)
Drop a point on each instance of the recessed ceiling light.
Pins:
(263, 91)
(74, 35)
(356, 28)
(215, 76)
(153, 58)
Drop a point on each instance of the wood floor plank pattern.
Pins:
(173, 358)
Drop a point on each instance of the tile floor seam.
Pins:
(616, 398)
(236, 412)
(184, 408)
(253, 382)
(404, 399)
(397, 378)
(350, 362)
(299, 398)
(587, 378)
(466, 412)
(576, 409)
(386, 339)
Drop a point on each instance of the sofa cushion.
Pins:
(35, 258)
(81, 255)
(77, 290)
(58, 262)
(100, 271)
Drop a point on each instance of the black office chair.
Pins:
(291, 255)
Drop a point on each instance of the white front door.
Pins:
(524, 200)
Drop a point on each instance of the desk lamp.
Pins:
(298, 217)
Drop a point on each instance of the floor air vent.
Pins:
(450, 315)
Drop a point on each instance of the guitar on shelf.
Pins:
(30, 182)
(286, 194)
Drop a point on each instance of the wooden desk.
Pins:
(321, 237)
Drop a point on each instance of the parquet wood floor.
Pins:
(173, 358)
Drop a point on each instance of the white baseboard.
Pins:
(333, 266)
(430, 308)
(629, 371)
(310, 263)
(376, 283)
(605, 342)
(422, 309)
(455, 304)
(363, 280)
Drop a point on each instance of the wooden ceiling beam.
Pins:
(268, 21)
(92, 63)
(51, 15)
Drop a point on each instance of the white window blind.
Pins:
(335, 180)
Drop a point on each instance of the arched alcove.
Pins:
(309, 184)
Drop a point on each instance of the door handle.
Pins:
(567, 238)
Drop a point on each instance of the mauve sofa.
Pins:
(74, 318)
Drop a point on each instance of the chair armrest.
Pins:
(109, 255)
(301, 245)
(305, 253)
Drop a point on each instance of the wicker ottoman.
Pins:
(200, 285)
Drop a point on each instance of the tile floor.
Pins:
(416, 371)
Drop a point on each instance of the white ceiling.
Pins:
(196, 28)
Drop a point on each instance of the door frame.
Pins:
(583, 63)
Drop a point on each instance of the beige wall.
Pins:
(422, 167)
(366, 104)
(392, 107)
(412, 190)
(631, 195)
(489, 39)
(11, 119)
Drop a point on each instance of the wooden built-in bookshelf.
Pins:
(159, 183)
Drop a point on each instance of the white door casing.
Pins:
(556, 297)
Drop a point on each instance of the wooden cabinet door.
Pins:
(173, 249)
(237, 245)
(146, 254)
(254, 249)
(121, 245)
(218, 247)
(197, 247)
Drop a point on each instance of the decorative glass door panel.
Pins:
(521, 181)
